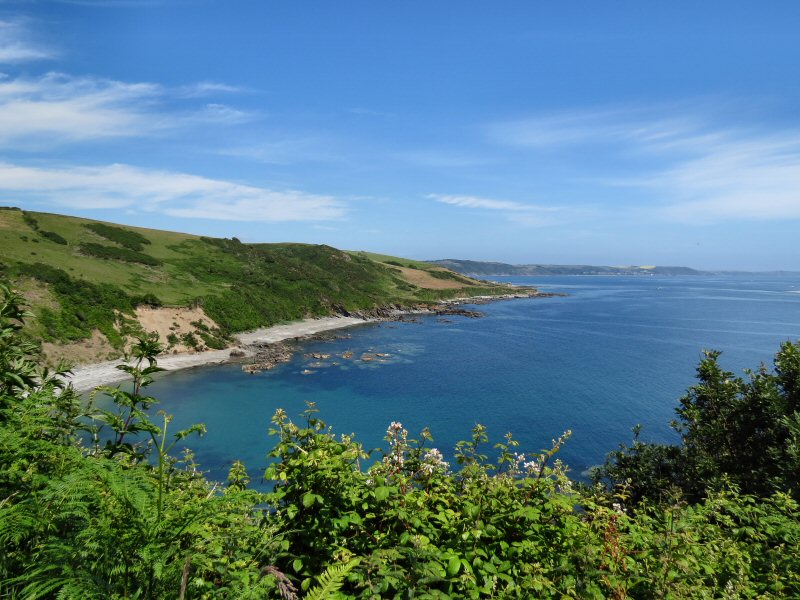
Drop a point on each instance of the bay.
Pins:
(616, 352)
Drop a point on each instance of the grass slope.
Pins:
(84, 275)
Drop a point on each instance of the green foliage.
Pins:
(114, 253)
(331, 581)
(30, 220)
(736, 430)
(397, 263)
(509, 528)
(84, 306)
(18, 368)
(20, 371)
(450, 275)
(276, 283)
(53, 237)
(123, 517)
(122, 520)
(124, 237)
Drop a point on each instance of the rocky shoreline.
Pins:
(264, 349)
(265, 356)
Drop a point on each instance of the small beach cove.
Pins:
(615, 352)
(88, 377)
(247, 345)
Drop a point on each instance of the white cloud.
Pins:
(736, 178)
(690, 169)
(204, 88)
(221, 113)
(476, 202)
(530, 215)
(582, 127)
(16, 46)
(165, 192)
(57, 108)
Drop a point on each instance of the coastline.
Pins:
(85, 378)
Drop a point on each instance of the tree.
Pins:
(743, 431)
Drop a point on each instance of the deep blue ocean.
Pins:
(615, 352)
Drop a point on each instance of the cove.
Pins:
(616, 352)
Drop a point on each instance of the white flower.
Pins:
(396, 433)
(433, 460)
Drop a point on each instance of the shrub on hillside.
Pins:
(114, 253)
(124, 237)
(53, 237)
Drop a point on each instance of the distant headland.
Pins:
(497, 269)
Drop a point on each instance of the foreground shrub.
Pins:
(740, 430)
(94, 504)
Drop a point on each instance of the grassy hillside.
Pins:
(82, 276)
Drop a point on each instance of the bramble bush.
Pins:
(95, 504)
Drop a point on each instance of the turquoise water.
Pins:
(616, 352)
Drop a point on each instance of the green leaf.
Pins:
(453, 566)
(297, 564)
(382, 493)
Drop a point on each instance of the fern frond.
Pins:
(331, 580)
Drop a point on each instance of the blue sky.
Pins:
(519, 131)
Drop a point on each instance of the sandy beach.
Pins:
(87, 377)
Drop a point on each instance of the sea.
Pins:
(614, 352)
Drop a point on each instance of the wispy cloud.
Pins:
(58, 108)
(476, 202)
(738, 177)
(289, 150)
(688, 166)
(204, 88)
(525, 214)
(593, 126)
(16, 45)
(166, 192)
(221, 113)
(441, 159)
